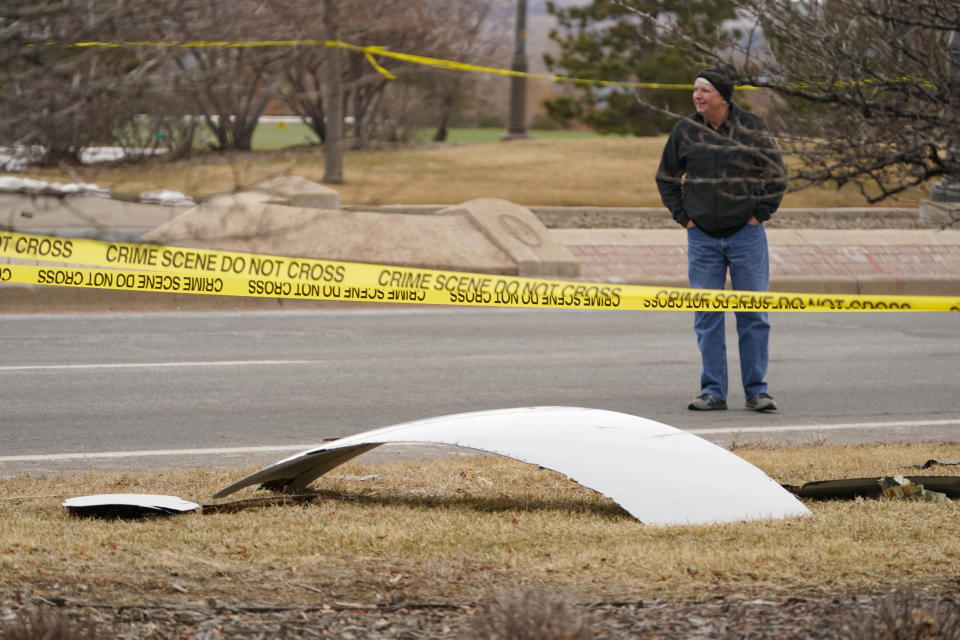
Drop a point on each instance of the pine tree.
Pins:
(605, 40)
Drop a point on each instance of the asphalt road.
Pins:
(92, 392)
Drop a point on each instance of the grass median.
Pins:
(600, 171)
(464, 529)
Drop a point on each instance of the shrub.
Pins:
(909, 617)
(48, 625)
(532, 614)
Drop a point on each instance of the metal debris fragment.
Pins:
(934, 463)
(921, 487)
(612, 453)
(128, 505)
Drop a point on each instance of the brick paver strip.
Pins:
(627, 255)
(598, 262)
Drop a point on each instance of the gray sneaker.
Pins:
(706, 402)
(761, 402)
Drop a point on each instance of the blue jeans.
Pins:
(745, 255)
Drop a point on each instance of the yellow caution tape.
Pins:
(370, 51)
(170, 269)
(374, 50)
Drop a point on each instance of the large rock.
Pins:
(89, 214)
(250, 222)
(299, 192)
(283, 216)
(518, 233)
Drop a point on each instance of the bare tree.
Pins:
(463, 30)
(863, 90)
(333, 149)
(363, 22)
(229, 86)
(474, 38)
(59, 99)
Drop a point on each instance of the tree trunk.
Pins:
(445, 110)
(333, 143)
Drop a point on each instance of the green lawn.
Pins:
(490, 134)
(276, 135)
(280, 135)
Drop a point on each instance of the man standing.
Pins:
(721, 176)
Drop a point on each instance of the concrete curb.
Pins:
(658, 214)
(775, 237)
(863, 285)
(33, 299)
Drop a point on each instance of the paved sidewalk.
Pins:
(923, 262)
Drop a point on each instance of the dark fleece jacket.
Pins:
(720, 179)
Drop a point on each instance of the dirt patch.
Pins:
(843, 616)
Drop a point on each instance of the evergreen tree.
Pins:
(610, 40)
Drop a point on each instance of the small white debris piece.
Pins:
(899, 487)
(128, 505)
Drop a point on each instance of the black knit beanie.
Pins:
(719, 80)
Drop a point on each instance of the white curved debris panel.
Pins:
(659, 474)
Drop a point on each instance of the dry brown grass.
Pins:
(602, 171)
(456, 530)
